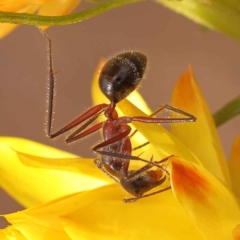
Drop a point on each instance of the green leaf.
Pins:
(220, 15)
(227, 112)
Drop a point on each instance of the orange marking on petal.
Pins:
(236, 232)
(183, 86)
(187, 96)
(210, 205)
(188, 181)
(234, 166)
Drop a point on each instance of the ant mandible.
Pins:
(118, 78)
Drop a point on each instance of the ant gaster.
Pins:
(118, 78)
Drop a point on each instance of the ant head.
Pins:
(121, 75)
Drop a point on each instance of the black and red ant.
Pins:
(118, 78)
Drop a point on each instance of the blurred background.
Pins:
(170, 41)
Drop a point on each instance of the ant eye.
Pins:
(122, 74)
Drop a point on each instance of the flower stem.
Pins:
(32, 19)
(227, 112)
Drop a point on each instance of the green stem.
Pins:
(227, 112)
(32, 19)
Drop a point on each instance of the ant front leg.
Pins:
(188, 117)
(89, 116)
(150, 119)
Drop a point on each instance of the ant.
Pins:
(118, 78)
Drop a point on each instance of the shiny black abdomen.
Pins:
(121, 75)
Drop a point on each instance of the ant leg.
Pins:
(79, 133)
(117, 138)
(98, 163)
(149, 166)
(140, 146)
(168, 107)
(92, 113)
(74, 136)
(128, 200)
(188, 117)
(151, 115)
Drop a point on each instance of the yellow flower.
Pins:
(86, 204)
(41, 7)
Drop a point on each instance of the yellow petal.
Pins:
(57, 8)
(234, 166)
(98, 98)
(210, 205)
(12, 5)
(201, 137)
(4, 235)
(6, 28)
(84, 166)
(23, 228)
(97, 95)
(46, 8)
(31, 186)
(101, 214)
(163, 142)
